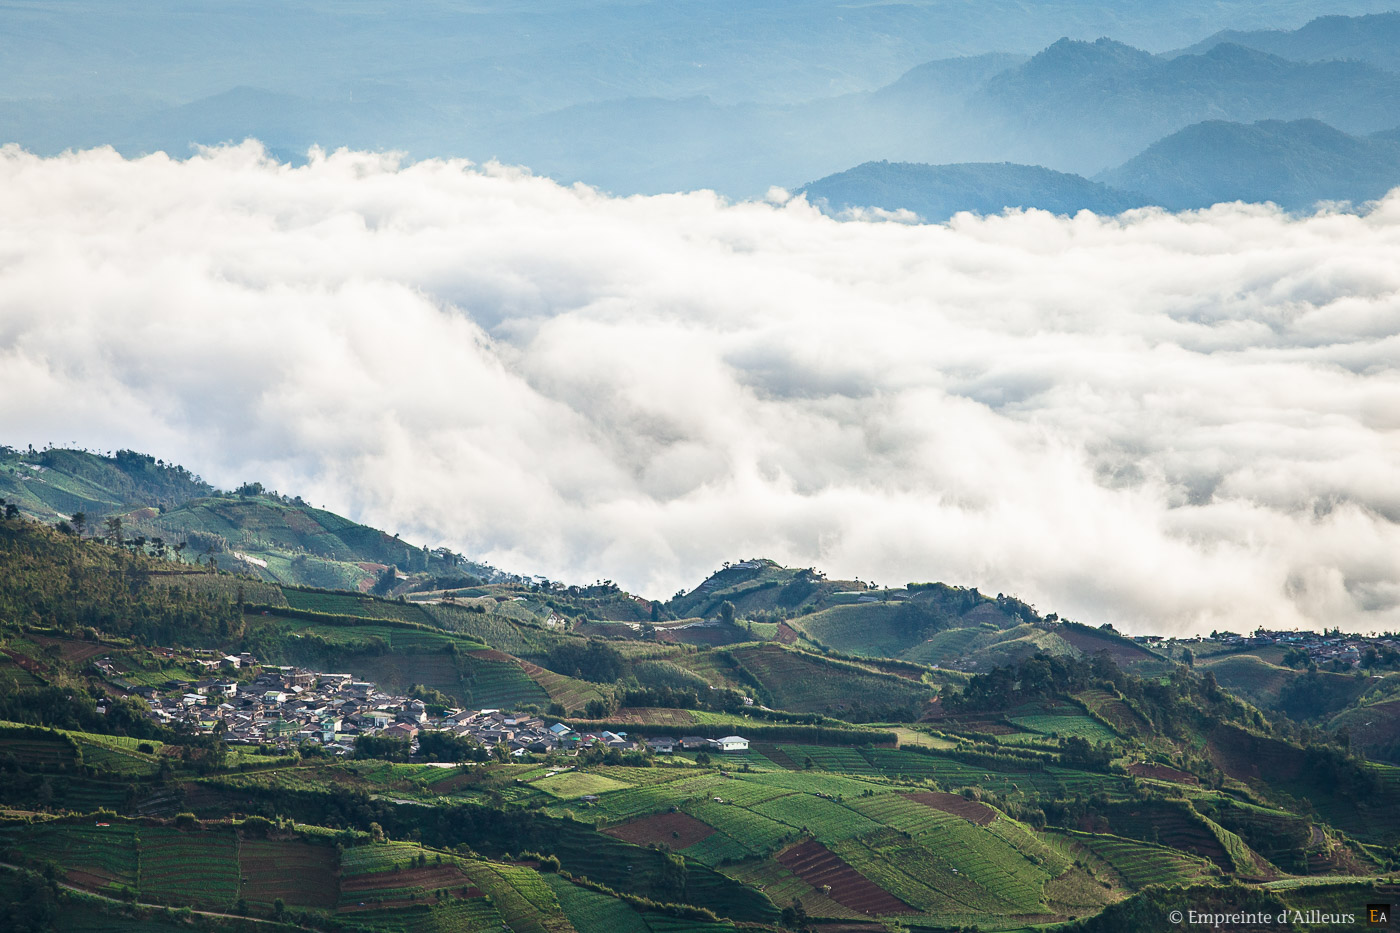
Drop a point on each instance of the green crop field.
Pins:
(1141, 863)
(179, 867)
(957, 868)
(95, 857)
(825, 819)
(1065, 725)
(803, 683)
(591, 912)
(901, 813)
(816, 783)
(574, 784)
(347, 604)
(830, 758)
(866, 629)
(625, 804)
(752, 832)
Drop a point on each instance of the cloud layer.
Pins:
(1170, 422)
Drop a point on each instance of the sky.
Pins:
(1171, 422)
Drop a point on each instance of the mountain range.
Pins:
(883, 83)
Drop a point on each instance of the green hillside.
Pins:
(1065, 771)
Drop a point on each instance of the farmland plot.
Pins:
(573, 784)
(299, 873)
(1141, 863)
(823, 870)
(592, 912)
(189, 867)
(825, 819)
(752, 831)
(97, 857)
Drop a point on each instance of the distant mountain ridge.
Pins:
(937, 192)
(1119, 99)
(1374, 39)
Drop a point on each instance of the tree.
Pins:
(388, 579)
(80, 523)
(726, 612)
(114, 529)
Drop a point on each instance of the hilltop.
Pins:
(1293, 164)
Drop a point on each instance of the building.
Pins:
(731, 743)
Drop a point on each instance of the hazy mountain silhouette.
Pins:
(1374, 39)
(1294, 164)
(937, 192)
(1087, 105)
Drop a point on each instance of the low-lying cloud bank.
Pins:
(1171, 422)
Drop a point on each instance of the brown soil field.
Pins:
(74, 651)
(817, 865)
(674, 830)
(300, 874)
(776, 755)
(971, 810)
(653, 716)
(1121, 652)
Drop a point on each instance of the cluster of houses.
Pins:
(1322, 648)
(289, 705)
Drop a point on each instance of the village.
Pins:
(1328, 648)
(283, 706)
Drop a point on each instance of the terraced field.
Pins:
(346, 604)
(38, 750)
(299, 873)
(801, 683)
(958, 868)
(1141, 863)
(389, 876)
(828, 758)
(826, 819)
(569, 692)
(117, 761)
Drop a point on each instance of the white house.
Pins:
(732, 743)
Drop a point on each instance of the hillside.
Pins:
(1066, 771)
(1293, 164)
(937, 192)
(276, 538)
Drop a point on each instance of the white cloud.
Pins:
(1165, 421)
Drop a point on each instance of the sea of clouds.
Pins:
(1171, 422)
